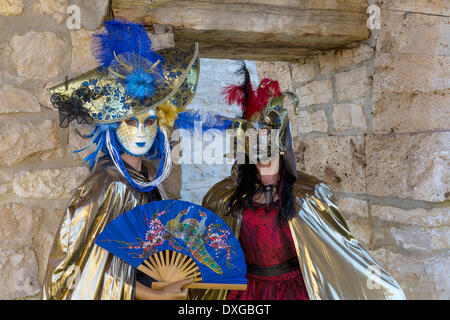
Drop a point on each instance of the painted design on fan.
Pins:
(193, 233)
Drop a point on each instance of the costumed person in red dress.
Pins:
(297, 246)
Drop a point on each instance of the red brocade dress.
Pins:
(267, 243)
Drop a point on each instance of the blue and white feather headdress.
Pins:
(131, 79)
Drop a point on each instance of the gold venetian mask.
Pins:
(137, 134)
(262, 137)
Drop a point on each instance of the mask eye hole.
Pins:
(149, 121)
(131, 122)
(273, 119)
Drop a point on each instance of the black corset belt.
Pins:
(275, 270)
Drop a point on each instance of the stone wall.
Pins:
(374, 124)
(38, 171)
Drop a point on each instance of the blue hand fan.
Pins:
(171, 240)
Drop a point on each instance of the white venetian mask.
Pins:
(137, 134)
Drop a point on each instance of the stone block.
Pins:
(405, 33)
(352, 84)
(49, 183)
(38, 55)
(351, 207)
(11, 7)
(348, 116)
(411, 112)
(19, 223)
(421, 278)
(334, 60)
(436, 7)
(413, 166)
(303, 71)
(411, 73)
(279, 71)
(436, 217)
(13, 99)
(309, 121)
(315, 92)
(54, 8)
(82, 58)
(18, 274)
(20, 140)
(338, 160)
(93, 13)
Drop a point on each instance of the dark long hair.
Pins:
(246, 189)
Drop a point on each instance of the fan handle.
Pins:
(158, 285)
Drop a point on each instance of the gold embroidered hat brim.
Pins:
(107, 102)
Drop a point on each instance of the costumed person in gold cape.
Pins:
(296, 243)
(132, 98)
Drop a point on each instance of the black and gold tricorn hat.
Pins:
(131, 79)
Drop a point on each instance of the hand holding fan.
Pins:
(171, 240)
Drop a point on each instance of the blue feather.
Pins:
(139, 85)
(123, 38)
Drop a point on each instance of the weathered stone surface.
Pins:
(93, 13)
(45, 242)
(411, 112)
(49, 183)
(436, 217)
(420, 278)
(337, 59)
(82, 58)
(356, 214)
(352, 84)
(349, 116)
(279, 71)
(18, 225)
(21, 140)
(11, 7)
(409, 166)
(422, 239)
(76, 142)
(361, 230)
(54, 8)
(351, 207)
(309, 121)
(18, 274)
(51, 154)
(406, 73)
(38, 55)
(339, 160)
(438, 7)
(315, 92)
(405, 33)
(303, 71)
(13, 99)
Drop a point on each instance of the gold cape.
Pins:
(77, 268)
(333, 263)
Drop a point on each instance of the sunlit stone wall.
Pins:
(375, 124)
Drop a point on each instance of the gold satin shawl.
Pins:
(77, 268)
(334, 265)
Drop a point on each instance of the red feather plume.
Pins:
(249, 100)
